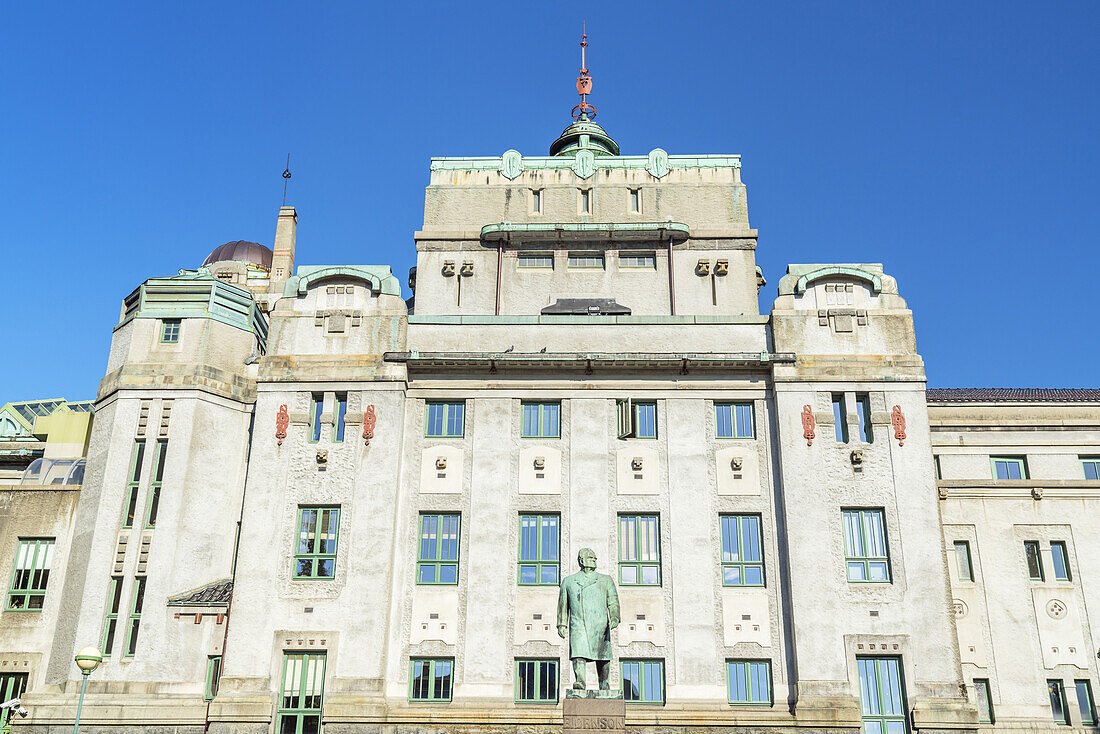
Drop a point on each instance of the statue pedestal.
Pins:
(588, 711)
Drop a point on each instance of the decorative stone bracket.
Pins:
(337, 320)
(842, 319)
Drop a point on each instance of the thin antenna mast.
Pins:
(584, 82)
(286, 177)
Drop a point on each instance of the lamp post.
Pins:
(87, 660)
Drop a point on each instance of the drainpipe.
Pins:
(671, 282)
(500, 260)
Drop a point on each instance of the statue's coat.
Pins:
(589, 603)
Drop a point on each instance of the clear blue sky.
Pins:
(954, 142)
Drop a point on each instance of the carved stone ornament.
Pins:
(322, 456)
(857, 458)
(1056, 609)
(958, 606)
(736, 463)
(808, 425)
(282, 420)
(368, 424)
(899, 424)
(1037, 493)
(584, 165)
(658, 165)
(511, 164)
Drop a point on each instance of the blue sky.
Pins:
(954, 142)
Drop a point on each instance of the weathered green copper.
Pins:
(658, 163)
(377, 277)
(806, 279)
(616, 231)
(588, 609)
(584, 134)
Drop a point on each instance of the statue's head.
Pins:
(587, 559)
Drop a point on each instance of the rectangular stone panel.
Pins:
(586, 715)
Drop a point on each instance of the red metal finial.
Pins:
(584, 82)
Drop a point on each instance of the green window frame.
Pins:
(984, 701)
(338, 427)
(840, 418)
(962, 560)
(638, 260)
(302, 692)
(138, 601)
(863, 413)
(1059, 558)
(30, 574)
(639, 550)
(749, 682)
(160, 454)
(12, 685)
(315, 551)
(541, 420)
(1090, 465)
(110, 624)
(539, 560)
(733, 420)
(431, 679)
(636, 418)
(213, 677)
(586, 260)
(742, 550)
(316, 408)
(536, 680)
(1033, 557)
(170, 331)
(881, 695)
(643, 681)
(1009, 467)
(543, 260)
(445, 419)
(437, 552)
(1059, 710)
(866, 554)
(1085, 702)
(129, 510)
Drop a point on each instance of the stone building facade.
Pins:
(311, 503)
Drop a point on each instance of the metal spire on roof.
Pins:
(286, 177)
(584, 83)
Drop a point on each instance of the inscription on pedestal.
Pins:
(593, 714)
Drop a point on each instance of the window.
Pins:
(541, 420)
(170, 331)
(341, 413)
(586, 260)
(882, 703)
(30, 574)
(733, 420)
(536, 681)
(135, 616)
(636, 201)
(539, 552)
(962, 560)
(749, 681)
(535, 260)
(1084, 701)
(1058, 708)
(130, 509)
(437, 558)
(585, 201)
(1060, 560)
(536, 201)
(1034, 560)
(865, 546)
(114, 603)
(1009, 467)
(213, 676)
(303, 687)
(12, 686)
(639, 550)
(638, 260)
(636, 419)
(431, 679)
(984, 700)
(643, 681)
(317, 406)
(936, 466)
(159, 454)
(1091, 467)
(315, 556)
(742, 556)
(863, 411)
(840, 418)
(445, 420)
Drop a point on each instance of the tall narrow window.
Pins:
(317, 406)
(536, 201)
(865, 546)
(1034, 560)
(213, 676)
(645, 420)
(12, 686)
(114, 604)
(30, 574)
(135, 616)
(341, 413)
(541, 420)
(863, 409)
(170, 331)
(1060, 560)
(586, 201)
(302, 691)
(749, 681)
(936, 466)
(881, 699)
(137, 456)
(539, 543)
(840, 418)
(984, 700)
(1058, 708)
(159, 455)
(639, 550)
(1009, 467)
(1085, 702)
(1091, 466)
(536, 681)
(742, 554)
(445, 420)
(643, 681)
(636, 201)
(733, 420)
(962, 560)
(318, 528)
(431, 679)
(437, 557)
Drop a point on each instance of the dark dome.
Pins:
(241, 251)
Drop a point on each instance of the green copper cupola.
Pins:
(584, 133)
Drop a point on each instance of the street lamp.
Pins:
(87, 660)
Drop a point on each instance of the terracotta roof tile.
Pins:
(1013, 395)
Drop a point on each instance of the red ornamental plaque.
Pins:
(808, 425)
(368, 424)
(282, 420)
(899, 424)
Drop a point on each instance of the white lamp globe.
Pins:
(88, 659)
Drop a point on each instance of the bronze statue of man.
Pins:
(588, 606)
